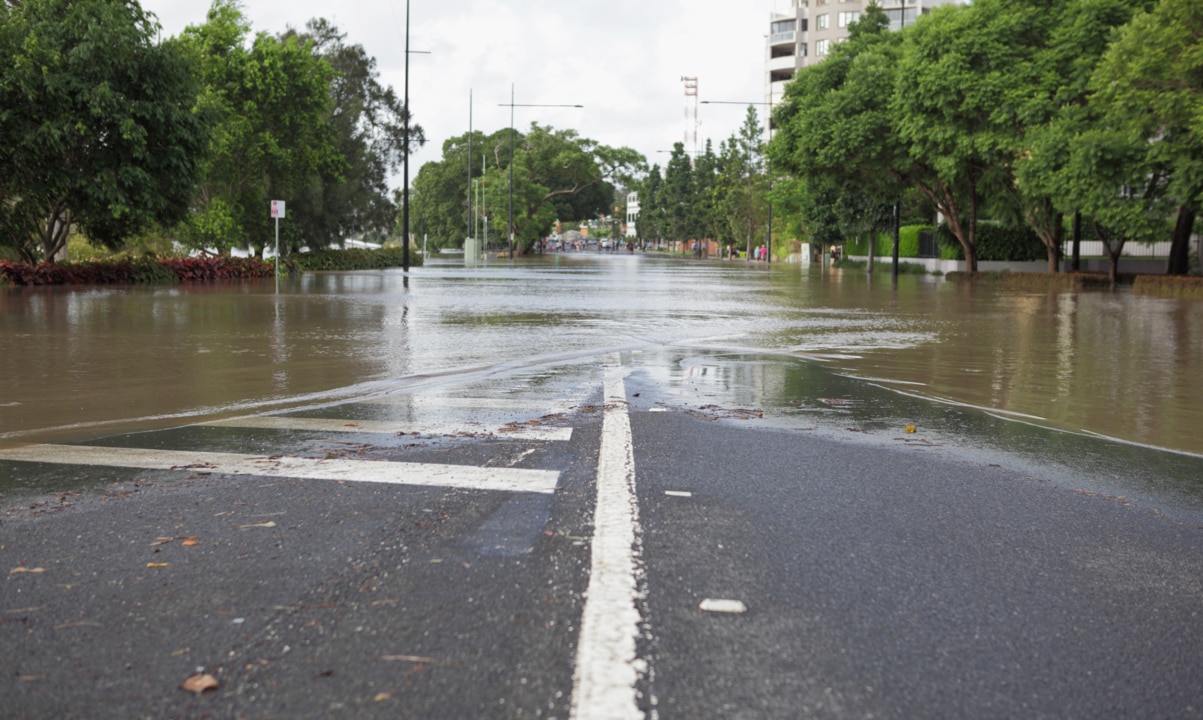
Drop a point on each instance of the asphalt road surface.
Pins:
(604, 552)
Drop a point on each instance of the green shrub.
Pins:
(350, 259)
(908, 239)
(882, 265)
(996, 243)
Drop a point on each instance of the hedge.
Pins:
(193, 269)
(350, 259)
(997, 243)
(131, 272)
(908, 243)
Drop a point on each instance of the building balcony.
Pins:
(783, 38)
(785, 62)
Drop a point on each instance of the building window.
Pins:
(823, 21)
(822, 46)
(783, 26)
(804, 24)
(801, 49)
(847, 18)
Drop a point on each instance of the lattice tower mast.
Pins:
(691, 116)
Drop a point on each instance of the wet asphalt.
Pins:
(881, 579)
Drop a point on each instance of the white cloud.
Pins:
(622, 59)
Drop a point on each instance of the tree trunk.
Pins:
(1179, 261)
(1077, 241)
(971, 232)
(1113, 257)
(1054, 247)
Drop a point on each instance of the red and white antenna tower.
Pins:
(691, 115)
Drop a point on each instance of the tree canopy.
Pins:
(1019, 112)
(98, 124)
(557, 174)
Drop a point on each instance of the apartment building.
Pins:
(807, 32)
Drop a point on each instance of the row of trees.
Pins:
(557, 175)
(719, 196)
(108, 130)
(1022, 112)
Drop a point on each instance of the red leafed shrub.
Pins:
(161, 270)
(218, 268)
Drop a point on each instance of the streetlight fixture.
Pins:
(769, 244)
(511, 105)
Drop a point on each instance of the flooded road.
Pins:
(83, 363)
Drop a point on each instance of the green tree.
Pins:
(958, 70)
(743, 184)
(97, 128)
(1149, 87)
(837, 134)
(273, 139)
(368, 124)
(709, 222)
(651, 213)
(1042, 105)
(440, 201)
(553, 171)
(677, 195)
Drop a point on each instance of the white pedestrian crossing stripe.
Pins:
(369, 471)
(280, 422)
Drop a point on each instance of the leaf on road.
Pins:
(157, 565)
(268, 524)
(190, 543)
(199, 683)
(911, 429)
(23, 569)
(381, 697)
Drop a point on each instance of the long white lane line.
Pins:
(369, 471)
(607, 667)
(285, 422)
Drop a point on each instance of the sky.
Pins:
(623, 60)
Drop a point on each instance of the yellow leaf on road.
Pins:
(199, 683)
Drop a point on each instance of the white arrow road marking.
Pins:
(370, 471)
(281, 422)
(607, 666)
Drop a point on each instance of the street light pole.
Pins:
(511, 218)
(405, 147)
(511, 106)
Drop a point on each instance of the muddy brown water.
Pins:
(79, 363)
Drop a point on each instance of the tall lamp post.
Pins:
(769, 241)
(405, 160)
(511, 106)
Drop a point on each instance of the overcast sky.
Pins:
(622, 59)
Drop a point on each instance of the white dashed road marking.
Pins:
(370, 471)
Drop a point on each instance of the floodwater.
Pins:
(82, 363)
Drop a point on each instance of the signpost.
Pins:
(277, 213)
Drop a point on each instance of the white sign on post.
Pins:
(277, 213)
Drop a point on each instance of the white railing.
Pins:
(783, 37)
(1094, 248)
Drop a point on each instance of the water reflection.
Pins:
(88, 361)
